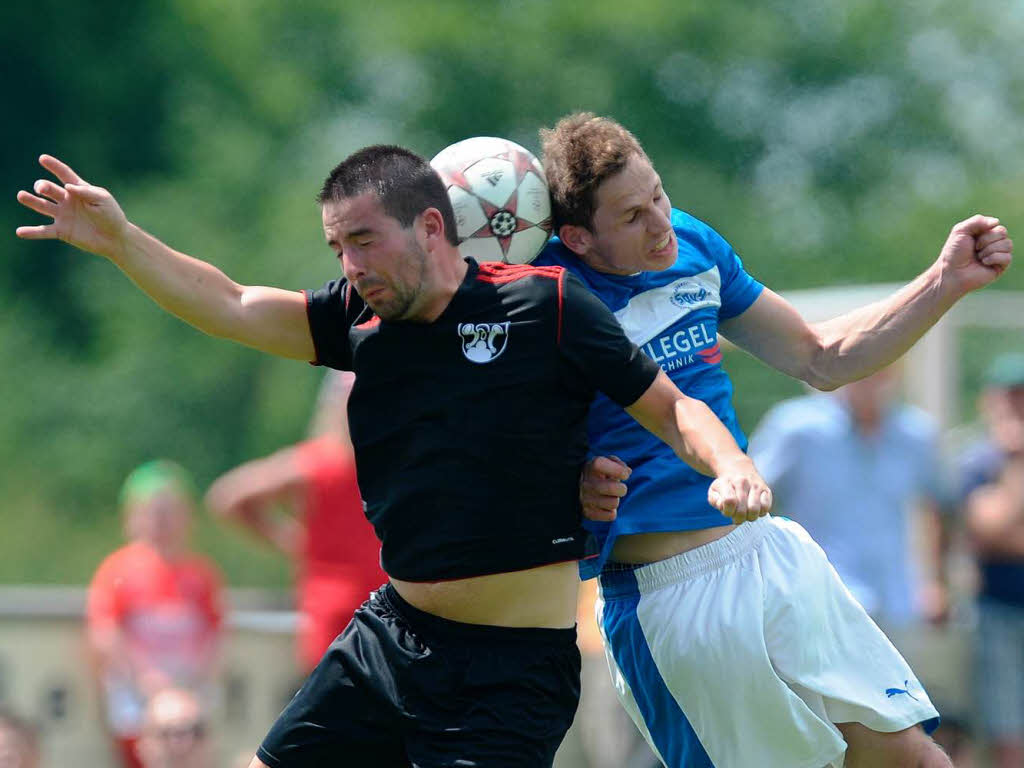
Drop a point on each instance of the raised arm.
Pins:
(829, 354)
(88, 217)
(700, 439)
(262, 496)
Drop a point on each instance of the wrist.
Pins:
(122, 242)
(732, 462)
(944, 283)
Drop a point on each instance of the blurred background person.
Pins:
(885, 527)
(154, 609)
(175, 731)
(304, 501)
(992, 488)
(19, 742)
(878, 462)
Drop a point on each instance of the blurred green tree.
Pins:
(831, 142)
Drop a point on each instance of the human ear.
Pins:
(576, 238)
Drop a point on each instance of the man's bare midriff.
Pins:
(537, 597)
(652, 547)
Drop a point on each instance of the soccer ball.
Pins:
(501, 201)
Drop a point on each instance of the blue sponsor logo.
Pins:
(686, 294)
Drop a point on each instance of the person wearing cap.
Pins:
(992, 489)
(154, 610)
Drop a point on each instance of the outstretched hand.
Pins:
(85, 216)
(977, 251)
(740, 493)
(601, 487)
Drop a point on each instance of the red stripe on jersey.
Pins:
(561, 291)
(499, 272)
(373, 322)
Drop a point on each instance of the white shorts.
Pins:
(745, 652)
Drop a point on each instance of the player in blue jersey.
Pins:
(731, 645)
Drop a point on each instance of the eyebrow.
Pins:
(353, 234)
(631, 208)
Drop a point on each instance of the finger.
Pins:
(767, 500)
(612, 467)
(723, 499)
(976, 225)
(755, 506)
(608, 488)
(986, 239)
(43, 232)
(997, 260)
(999, 246)
(87, 192)
(47, 188)
(61, 170)
(741, 502)
(600, 515)
(37, 204)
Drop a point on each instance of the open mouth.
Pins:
(663, 244)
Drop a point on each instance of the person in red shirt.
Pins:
(304, 500)
(154, 612)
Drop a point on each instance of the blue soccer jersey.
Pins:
(673, 316)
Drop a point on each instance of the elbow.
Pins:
(820, 369)
(822, 383)
(817, 375)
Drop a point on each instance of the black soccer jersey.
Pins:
(470, 431)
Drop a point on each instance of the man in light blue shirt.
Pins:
(876, 462)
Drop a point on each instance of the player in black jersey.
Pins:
(467, 418)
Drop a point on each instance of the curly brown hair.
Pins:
(579, 153)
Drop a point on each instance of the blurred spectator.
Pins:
(874, 459)
(154, 608)
(175, 731)
(19, 742)
(992, 475)
(304, 501)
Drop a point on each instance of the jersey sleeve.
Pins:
(103, 607)
(332, 309)
(739, 290)
(596, 347)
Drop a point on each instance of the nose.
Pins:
(351, 265)
(659, 220)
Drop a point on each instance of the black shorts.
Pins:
(400, 687)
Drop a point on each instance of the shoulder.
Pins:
(204, 569)
(499, 273)
(691, 229)
(804, 415)
(979, 457)
(917, 424)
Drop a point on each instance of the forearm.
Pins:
(867, 339)
(193, 290)
(702, 440)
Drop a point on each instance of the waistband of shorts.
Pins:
(440, 628)
(621, 580)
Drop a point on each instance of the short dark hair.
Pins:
(580, 152)
(404, 183)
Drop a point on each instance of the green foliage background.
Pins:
(831, 141)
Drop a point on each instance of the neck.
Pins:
(448, 273)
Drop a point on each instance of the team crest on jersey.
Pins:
(687, 292)
(482, 342)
